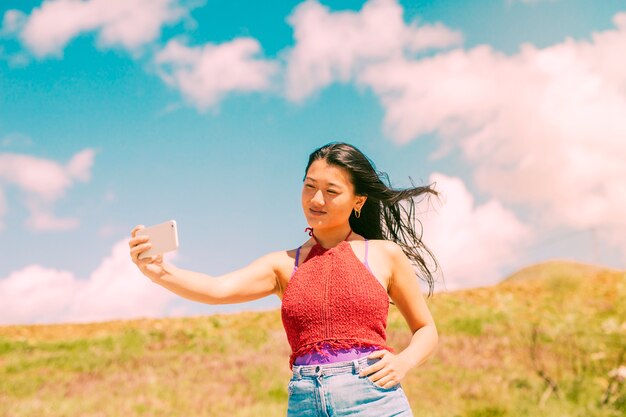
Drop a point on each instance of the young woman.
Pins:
(335, 288)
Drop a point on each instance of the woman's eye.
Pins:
(308, 186)
(332, 192)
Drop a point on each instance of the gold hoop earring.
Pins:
(357, 213)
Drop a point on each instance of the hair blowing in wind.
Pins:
(388, 213)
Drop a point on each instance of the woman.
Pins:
(335, 288)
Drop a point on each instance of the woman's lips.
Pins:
(317, 213)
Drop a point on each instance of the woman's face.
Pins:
(328, 195)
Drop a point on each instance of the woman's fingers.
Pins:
(141, 247)
(137, 241)
(138, 249)
(151, 266)
(154, 267)
(132, 242)
(133, 233)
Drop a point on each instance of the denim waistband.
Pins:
(335, 368)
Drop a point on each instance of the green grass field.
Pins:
(541, 343)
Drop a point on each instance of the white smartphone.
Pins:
(163, 238)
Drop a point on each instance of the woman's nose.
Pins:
(318, 198)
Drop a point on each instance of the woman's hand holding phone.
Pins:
(151, 266)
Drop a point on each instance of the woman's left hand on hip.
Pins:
(388, 371)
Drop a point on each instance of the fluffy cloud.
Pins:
(42, 218)
(42, 182)
(204, 74)
(543, 129)
(115, 290)
(332, 46)
(127, 23)
(12, 22)
(473, 243)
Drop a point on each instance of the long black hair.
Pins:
(382, 216)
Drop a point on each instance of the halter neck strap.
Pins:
(310, 230)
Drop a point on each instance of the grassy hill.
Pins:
(543, 342)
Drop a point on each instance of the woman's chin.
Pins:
(315, 221)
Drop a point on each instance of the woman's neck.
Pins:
(329, 238)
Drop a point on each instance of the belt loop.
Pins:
(296, 371)
(357, 366)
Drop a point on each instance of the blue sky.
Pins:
(205, 112)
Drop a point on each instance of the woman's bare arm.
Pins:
(405, 291)
(256, 280)
(407, 295)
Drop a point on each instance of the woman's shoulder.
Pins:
(282, 255)
(388, 247)
(288, 255)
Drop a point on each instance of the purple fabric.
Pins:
(336, 355)
(295, 265)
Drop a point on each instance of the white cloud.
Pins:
(43, 182)
(115, 290)
(42, 218)
(12, 22)
(543, 129)
(34, 294)
(126, 23)
(79, 167)
(331, 46)
(206, 73)
(472, 243)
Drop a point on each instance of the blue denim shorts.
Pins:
(336, 389)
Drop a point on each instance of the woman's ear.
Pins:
(361, 201)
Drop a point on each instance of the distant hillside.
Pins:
(547, 341)
(557, 268)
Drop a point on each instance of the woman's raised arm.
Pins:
(256, 280)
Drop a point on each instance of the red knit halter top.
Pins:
(332, 298)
